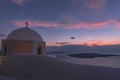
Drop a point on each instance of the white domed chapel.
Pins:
(23, 41)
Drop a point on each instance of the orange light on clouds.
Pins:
(98, 43)
(53, 44)
(88, 43)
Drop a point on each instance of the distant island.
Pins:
(56, 52)
(89, 55)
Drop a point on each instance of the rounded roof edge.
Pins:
(24, 34)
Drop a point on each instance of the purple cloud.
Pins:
(2, 35)
(94, 4)
(20, 2)
(62, 43)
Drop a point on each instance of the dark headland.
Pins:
(90, 55)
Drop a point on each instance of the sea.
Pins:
(112, 61)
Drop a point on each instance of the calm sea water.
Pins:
(113, 61)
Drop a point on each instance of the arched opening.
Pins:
(39, 50)
(5, 50)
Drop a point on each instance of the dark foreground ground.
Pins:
(47, 68)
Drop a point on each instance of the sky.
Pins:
(90, 22)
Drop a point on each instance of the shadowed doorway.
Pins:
(5, 50)
(39, 50)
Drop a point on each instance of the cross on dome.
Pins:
(26, 24)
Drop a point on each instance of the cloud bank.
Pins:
(34, 23)
(20, 2)
(94, 4)
(78, 25)
(91, 4)
(2, 35)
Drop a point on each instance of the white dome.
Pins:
(24, 34)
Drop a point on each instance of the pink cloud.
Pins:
(88, 25)
(20, 2)
(84, 25)
(102, 43)
(94, 25)
(96, 42)
(94, 4)
(116, 23)
(90, 43)
(35, 23)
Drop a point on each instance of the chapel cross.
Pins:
(26, 24)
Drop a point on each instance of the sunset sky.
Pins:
(88, 21)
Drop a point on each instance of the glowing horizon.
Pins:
(91, 22)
